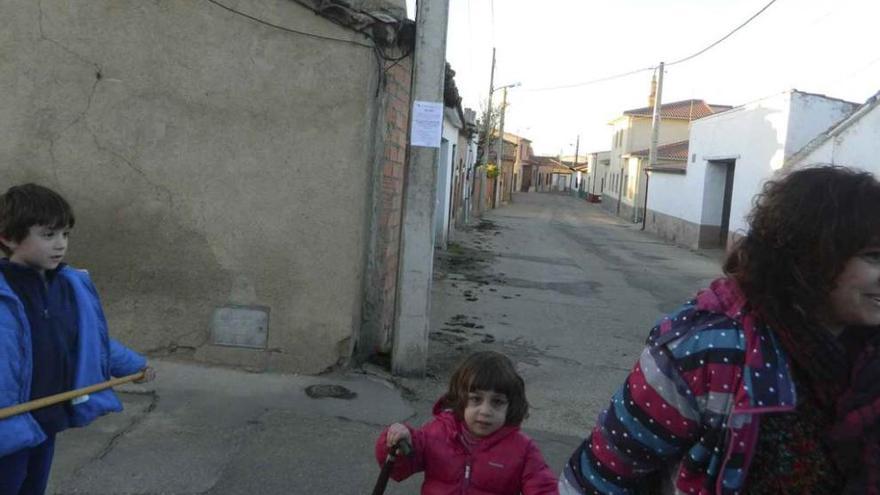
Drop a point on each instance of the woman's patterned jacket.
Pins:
(690, 409)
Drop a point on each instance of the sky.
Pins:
(818, 46)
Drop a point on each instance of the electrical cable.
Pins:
(685, 59)
(592, 81)
(287, 29)
(728, 35)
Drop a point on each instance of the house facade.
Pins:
(705, 202)
(503, 184)
(598, 174)
(464, 173)
(450, 156)
(625, 186)
(550, 175)
(522, 166)
(579, 180)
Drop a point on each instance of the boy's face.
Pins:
(42, 249)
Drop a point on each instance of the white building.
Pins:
(625, 188)
(469, 179)
(852, 142)
(731, 154)
(598, 173)
(452, 124)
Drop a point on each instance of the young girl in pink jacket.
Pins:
(473, 445)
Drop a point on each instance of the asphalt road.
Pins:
(567, 291)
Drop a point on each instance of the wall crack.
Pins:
(59, 44)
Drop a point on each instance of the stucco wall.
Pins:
(857, 146)
(810, 116)
(639, 135)
(676, 195)
(211, 160)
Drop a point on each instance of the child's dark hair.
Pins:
(492, 371)
(22, 207)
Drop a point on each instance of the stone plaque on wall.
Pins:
(241, 326)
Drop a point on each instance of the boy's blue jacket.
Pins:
(98, 358)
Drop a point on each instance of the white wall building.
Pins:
(598, 172)
(731, 154)
(853, 142)
(448, 153)
(624, 192)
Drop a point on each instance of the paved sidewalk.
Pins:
(200, 429)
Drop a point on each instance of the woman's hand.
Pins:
(149, 375)
(396, 433)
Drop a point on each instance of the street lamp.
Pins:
(513, 85)
(486, 126)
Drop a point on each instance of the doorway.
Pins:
(717, 201)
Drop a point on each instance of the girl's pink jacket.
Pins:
(504, 463)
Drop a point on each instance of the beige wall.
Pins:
(636, 135)
(671, 131)
(211, 161)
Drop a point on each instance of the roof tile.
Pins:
(685, 109)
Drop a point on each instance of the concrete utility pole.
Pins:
(409, 355)
(655, 135)
(499, 152)
(486, 130)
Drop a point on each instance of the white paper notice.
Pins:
(427, 124)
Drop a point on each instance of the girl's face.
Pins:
(855, 300)
(486, 412)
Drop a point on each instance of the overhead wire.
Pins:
(645, 69)
(728, 35)
(592, 81)
(289, 30)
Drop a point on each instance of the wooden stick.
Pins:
(66, 396)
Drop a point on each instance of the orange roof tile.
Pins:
(685, 109)
(670, 152)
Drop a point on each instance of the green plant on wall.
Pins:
(491, 171)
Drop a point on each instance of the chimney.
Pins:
(653, 96)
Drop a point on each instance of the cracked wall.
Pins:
(210, 159)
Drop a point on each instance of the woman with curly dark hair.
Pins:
(768, 381)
